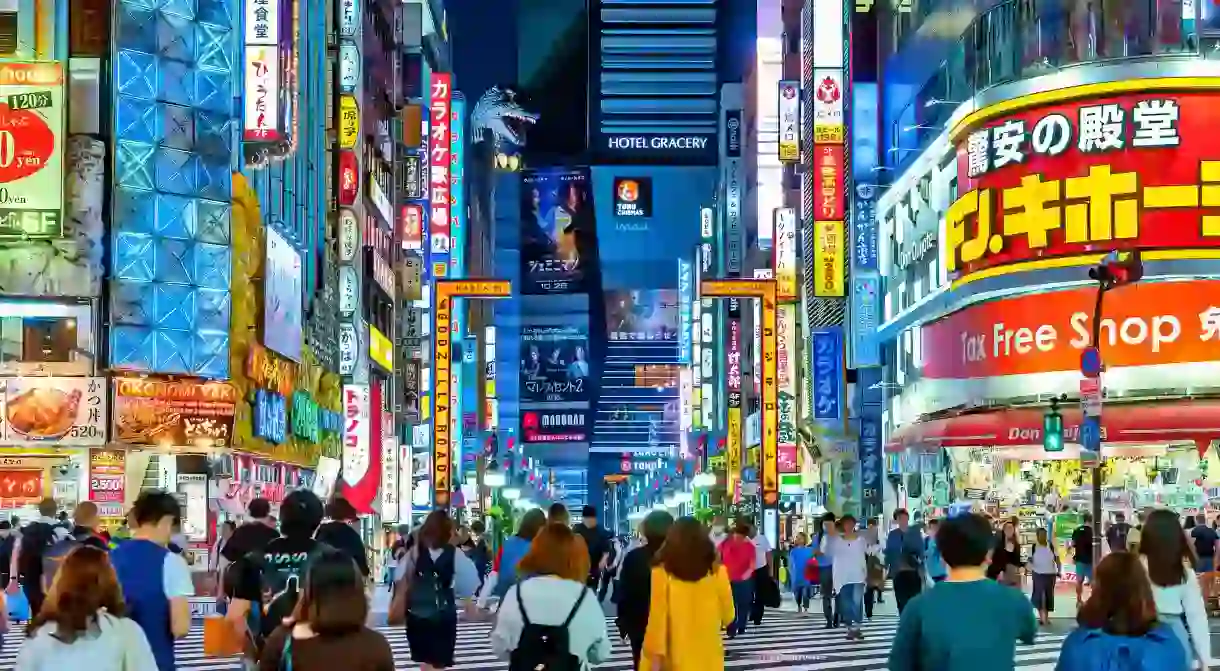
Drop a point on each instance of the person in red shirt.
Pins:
(737, 555)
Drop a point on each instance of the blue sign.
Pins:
(864, 228)
(686, 296)
(1090, 440)
(1090, 362)
(865, 351)
(270, 416)
(871, 464)
(865, 111)
(827, 346)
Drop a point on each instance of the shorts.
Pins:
(1084, 572)
(1206, 565)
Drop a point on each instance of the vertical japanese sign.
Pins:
(827, 345)
(786, 354)
(785, 254)
(107, 476)
(733, 382)
(790, 121)
(440, 142)
(389, 469)
(356, 430)
(828, 258)
(263, 86)
(865, 350)
(828, 164)
(870, 464)
(828, 126)
(686, 296)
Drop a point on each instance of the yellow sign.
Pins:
(381, 350)
(828, 260)
(442, 484)
(733, 449)
(442, 316)
(349, 122)
(763, 290)
(828, 133)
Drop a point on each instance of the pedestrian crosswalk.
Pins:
(785, 640)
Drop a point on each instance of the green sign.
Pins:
(787, 419)
(305, 417)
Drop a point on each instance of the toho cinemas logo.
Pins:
(1033, 436)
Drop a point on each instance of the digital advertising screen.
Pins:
(642, 315)
(558, 233)
(554, 364)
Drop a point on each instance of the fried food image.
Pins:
(43, 414)
(142, 421)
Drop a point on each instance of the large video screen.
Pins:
(642, 315)
(554, 364)
(558, 233)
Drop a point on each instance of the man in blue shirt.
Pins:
(904, 553)
(156, 582)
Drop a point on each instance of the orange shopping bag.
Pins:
(219, 638)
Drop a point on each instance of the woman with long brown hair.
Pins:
(81, 624)
(327, 630)
(1119, 620)
(1179, 599)
(691, 603)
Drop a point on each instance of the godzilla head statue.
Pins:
(498, 113)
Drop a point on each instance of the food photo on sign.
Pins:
(1130, 170)
(53, 410)
(173, 413)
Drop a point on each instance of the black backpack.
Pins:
(430, 596)
(36, 539)
(544, 647)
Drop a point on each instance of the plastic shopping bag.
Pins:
(18, 607)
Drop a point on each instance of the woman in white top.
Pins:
(81, 624)
(1179, 600)
(847, 552)
(554, 595)
(1044, 564)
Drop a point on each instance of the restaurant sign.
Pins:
(173, 413)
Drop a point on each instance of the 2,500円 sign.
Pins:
(1137, 170)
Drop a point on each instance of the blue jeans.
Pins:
(802, 594)
(850, 603)
(743, 600)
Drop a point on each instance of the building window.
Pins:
(37, 339)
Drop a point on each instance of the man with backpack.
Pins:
(29, 551)
(83, 532)
(266, 583)
(156, 583)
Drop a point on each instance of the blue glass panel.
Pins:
(213, 265)
(173, 351)
(136, 74)
(177, 124)
(213, 309)
(176, 217)
(177, 82)
(216, 48)
(133, 164)
(174, 307)
(182, 8)
(175, 260)
(220, 13)
(212, 354)
(135, 210)
(213, 90)
(133, 256)
(145, 5)
(136, 30)
(175, 171)
(127, 301)
(214, 134)
(175, 38)
(214, 220)
(130, 347)
(136, 119)
(214, 178)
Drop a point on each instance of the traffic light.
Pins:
(1052, 429)
(1118, 268)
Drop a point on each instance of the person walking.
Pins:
(82, 623)
(1119, 621)
(848, 552)
(737, 555)
(552, 620)
(826, 584)
(766, 590)
(633, 596)
(1082, 555)
(599, 542)
(1179, 599)
(156, 583)
(340, 532)
(799, 555)
(254, 534)
(30, 551)
(935, 565)
(328, 630)
(904, 559)
(691, 602)
(1006, 562)
(1044, 564)
(514, 548)
(437, 575)
(1205, 540)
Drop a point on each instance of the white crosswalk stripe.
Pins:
(785, 640)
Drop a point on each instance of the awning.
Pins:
(1167, 421)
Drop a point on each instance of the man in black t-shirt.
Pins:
(1205, 539)
(598, 541)
(252, 575)
(254, 534)
(1082, 549)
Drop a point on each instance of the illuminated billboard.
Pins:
(554, 364)
(558, 233)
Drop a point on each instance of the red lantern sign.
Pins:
(349, 178)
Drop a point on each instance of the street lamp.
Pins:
(493, 477)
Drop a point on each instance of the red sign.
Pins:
(440, 137)
(107, 476)
(349, 178)
(1145, 324)
(411, 226)
(1119, 172)
(828, 168)
(20, 487)
(554, 426)
(786, 455)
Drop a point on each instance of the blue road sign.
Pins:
(1090, 441)
(1090, 362)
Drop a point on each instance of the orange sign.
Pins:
(1144, 324)
(475, 288)
(19, 488)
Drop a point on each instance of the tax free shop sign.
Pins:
(1131, 165)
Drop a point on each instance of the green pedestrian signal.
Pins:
(1052, 430)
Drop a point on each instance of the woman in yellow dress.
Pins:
(691, 603)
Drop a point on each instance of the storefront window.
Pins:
(37, 339)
